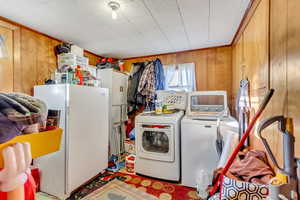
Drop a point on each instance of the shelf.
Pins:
(42, 143)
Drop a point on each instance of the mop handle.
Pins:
(243, 139)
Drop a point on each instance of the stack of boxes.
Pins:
(70, 59)
(73, 68)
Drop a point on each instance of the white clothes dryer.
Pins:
(158, 145)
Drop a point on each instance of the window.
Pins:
(180, 77)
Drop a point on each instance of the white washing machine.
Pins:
(158, 145)
(199, 135)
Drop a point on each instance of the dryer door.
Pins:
(156, 142)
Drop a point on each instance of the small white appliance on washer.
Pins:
(207, 112)
(158, 139)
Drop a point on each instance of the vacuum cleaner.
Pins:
(290, 189)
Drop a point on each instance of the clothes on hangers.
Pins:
(146, 78)
(147, 84)
(133, 83)
(159, 75)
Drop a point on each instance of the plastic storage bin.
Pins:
(42, 143)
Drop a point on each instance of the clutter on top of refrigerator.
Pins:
(75, 76)
(71, 59)
(121, 64)
(63, 48)
(76, 50)
(105, 63)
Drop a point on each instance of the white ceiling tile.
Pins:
(195, 15)
(168, 18)
(223, 28)
(144, 27)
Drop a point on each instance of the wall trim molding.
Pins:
(245, 20)
(177, 52)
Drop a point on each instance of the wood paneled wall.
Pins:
(93, 59)
(251, 51)
(213, 66)
(37, 59)
(268, 53)
(251, 59)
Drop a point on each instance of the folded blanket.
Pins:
(18, 112)
(33, 104)
(37, 108)
(10, 107)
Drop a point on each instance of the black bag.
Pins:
(63, 48)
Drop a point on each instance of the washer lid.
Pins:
(225, 121)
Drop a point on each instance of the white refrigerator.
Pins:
(117, 83)
(84, 149)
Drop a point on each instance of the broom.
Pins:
(218, 178)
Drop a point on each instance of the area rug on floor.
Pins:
(117, 190)
(161, 189)
(98, 182)
(43, 196)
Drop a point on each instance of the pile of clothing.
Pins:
(20, 113)
(253, 167)
(247, 178)
(147, 77)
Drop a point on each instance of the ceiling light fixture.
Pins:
(114, 7)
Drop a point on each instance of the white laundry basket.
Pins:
(173, 99)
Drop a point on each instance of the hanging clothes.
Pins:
(133, 83)
(243, 108)
(159, 75)
(148, 82)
